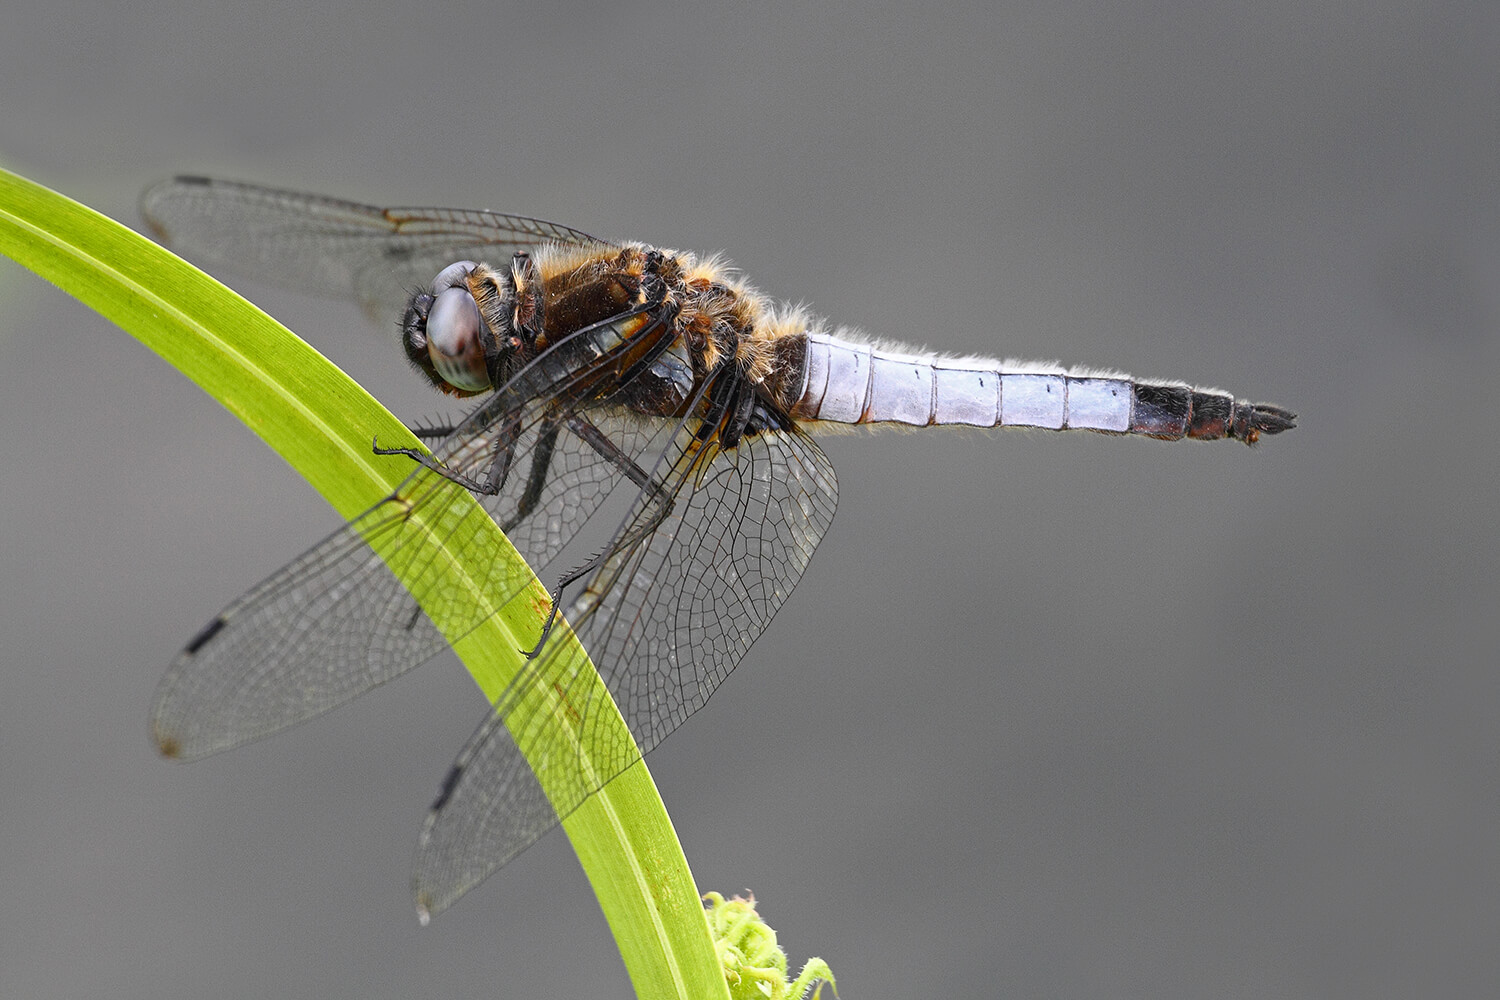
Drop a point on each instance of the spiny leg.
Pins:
(432, 433)
(505, 446)
(659, 497)
(536, 478)
(499, 471)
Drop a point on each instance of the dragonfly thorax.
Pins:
(474, 325)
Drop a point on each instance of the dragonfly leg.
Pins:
(657, 493)
(432, 433)
(432, 464)
(494, 480)
(536, 479)
(659, 500)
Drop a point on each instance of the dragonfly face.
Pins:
(446, 339)
(616, 371)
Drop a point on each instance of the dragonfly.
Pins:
(647, 404)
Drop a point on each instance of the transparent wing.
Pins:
(337, 621)
(330, 246)
(665, 621)
(330, 625)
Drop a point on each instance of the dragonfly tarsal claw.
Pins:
(411, 453)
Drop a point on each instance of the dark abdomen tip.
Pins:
(1256, 419)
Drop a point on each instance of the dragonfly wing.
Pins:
(330, 246)
(665, 620)
(336, 621)
(328, 626)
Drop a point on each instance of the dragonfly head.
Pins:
(445, 334)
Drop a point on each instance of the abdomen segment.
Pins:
(848, 382)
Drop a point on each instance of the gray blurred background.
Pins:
(1049, 715)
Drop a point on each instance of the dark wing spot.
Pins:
(201, 639)
(446, 792)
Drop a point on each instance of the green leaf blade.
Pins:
(321, 422)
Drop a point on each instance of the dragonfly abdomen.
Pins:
(849, 382)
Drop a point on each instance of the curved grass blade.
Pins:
(321, 422)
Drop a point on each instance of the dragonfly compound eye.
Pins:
(455, 340)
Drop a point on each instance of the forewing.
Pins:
(326, 627)
(337, 621)
(665, 621)
(329, 246)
